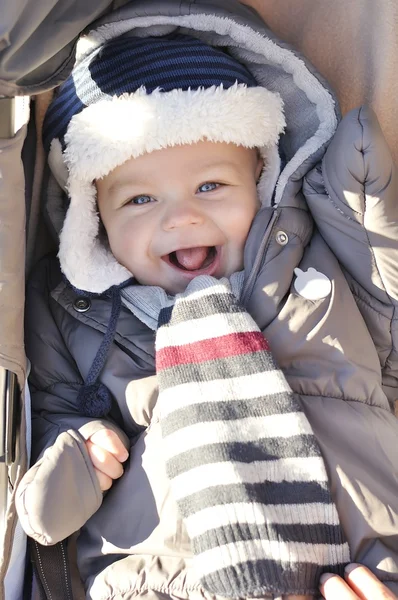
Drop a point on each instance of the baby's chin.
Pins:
(170, 287)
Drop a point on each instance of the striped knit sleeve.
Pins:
(244, 465)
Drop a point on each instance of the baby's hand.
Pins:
(359, 584)
(107, 452)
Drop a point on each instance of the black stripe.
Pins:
(267, 492)
(255, 578)
(245, 532)
(240, 365)
(264, 449)
(199, 308)
(228, 410)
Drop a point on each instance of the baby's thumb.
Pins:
(109, 440)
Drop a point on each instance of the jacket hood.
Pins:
(310, 110)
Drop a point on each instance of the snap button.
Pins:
(82, 304)
(282, 238)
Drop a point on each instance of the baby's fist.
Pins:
(107, 454)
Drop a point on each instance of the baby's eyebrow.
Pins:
(215, 164)
(118, 186)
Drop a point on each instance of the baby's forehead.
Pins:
(187, 158)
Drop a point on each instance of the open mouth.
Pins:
(193, 260)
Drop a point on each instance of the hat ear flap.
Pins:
(85, 260)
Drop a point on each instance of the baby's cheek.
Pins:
(243, 228)
(121, 248)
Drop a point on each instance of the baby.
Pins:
(170, 216)
(198, 324)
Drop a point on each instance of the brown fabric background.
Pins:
(353, 43)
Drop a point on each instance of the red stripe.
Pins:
(233, 344)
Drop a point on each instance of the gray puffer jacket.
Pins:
(335, 212)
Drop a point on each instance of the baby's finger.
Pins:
(110, 441)
(104, 481)
(334, 588)
(104, 461)
(366, 585)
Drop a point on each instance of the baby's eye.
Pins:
(208, 187)
(141, 200)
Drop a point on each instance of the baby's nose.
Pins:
(182, 214)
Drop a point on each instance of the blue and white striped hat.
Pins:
(135, 95)
(125, 64)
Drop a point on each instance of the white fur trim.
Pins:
(85, 260)
(106, 134)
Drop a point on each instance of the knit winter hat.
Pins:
(131, 96)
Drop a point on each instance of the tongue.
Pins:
(192, 258)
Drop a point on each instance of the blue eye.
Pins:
(208, 187)
(141, 200)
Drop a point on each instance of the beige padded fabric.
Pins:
(353, 44)
(12, 253)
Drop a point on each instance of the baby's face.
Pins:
(180, 212)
